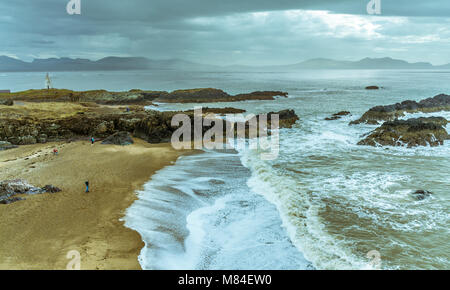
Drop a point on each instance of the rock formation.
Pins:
(10, 188)
(337, 116)
(6, 145)
(391, 112)
(6, 102)
(210, 95)
(120, 138)
(138, 97)
(410, 133)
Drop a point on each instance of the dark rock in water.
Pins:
(338, 116)
(372, 88)
(51, 189)
(7, 102)
(120, 138)
(11, 200)
(226, 110)
(421, 194)
(287, 118)
(391, 112)
(6, 145)
(410, 133)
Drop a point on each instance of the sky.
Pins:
(247, 32)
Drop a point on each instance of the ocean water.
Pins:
(324, 203)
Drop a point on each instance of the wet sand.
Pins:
(37, 233)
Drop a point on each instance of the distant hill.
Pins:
(141, 63)
(366, 63)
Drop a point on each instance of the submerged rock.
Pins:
(120, 138)
(410, 133)
(337, 116)
(421, 194)
(391, 112)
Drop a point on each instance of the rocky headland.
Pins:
(31, 123)
(138, 97)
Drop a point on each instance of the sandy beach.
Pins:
(37, 233)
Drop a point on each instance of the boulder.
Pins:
(51, 189)
(410, 133)
(6, 145)
(7, 102)
(11, 200)
(10, 188)
(120, 138)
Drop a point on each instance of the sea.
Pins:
(324, 203)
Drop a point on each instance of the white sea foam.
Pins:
(336, 181)
(199, 214)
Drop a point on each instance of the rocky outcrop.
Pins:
(138, 97)
(7, 102)
(338, 116)
(152, 126)
(120, 138)
(260, 95)
(51, 189)
(221, 111)
(10, 188)
(30, 131)
(410, 133)
(6, 145)
(391, 112)
(287, 118)
(210, 95)
(11, 200)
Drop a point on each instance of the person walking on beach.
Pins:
(87, 186)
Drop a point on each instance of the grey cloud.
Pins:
(222, 31)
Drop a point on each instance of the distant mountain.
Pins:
(12, 64)
(142, 63)
(446, 66)
(366, 63)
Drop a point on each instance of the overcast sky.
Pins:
(227, 31)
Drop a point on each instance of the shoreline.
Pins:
(37, 233)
